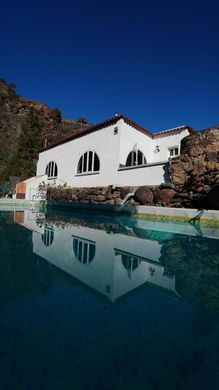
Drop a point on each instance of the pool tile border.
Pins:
(181, 213)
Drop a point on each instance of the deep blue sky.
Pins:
(154, 61)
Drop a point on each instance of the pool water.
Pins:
(107, 302)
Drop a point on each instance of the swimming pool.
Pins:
(107, 302)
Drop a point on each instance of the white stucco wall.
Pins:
(129, 137)
(146, 175)
(66, 156)
(112, 150)
(166, 141)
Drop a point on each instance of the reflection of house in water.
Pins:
(112, 264)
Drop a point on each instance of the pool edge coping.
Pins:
(156, 211)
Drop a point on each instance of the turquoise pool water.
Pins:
(106, 302)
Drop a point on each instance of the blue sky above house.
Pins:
(156, 62)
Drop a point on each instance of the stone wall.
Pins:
(144, 195)
(107, 195)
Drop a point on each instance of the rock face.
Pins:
(195, 173)
(14, 110)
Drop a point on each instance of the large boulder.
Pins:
(144, 196)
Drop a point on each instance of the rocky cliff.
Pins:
(14, 111)
(195, 173)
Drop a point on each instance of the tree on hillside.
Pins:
(23, 161)
(12, 90)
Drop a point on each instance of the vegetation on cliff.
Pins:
(22, 161)
(25, 126)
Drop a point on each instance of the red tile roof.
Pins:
(109, 122)
(173, 131)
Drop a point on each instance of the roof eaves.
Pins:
(137, 126)
(111, 121)
(82, 133)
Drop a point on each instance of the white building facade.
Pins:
(116, 152)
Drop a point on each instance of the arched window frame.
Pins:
(136, 157)
(84, 250)
(52, 170)
(48, 236)
(129, 261)
(88, 163)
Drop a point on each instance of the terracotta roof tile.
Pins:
(173, 131)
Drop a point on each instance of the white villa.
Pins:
(116, 152)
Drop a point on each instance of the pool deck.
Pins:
(168, 212)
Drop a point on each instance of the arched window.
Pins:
(48, 236)
(130, 263)
(89, 162)
(135, 158)
(52, 170)
(84, 250)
